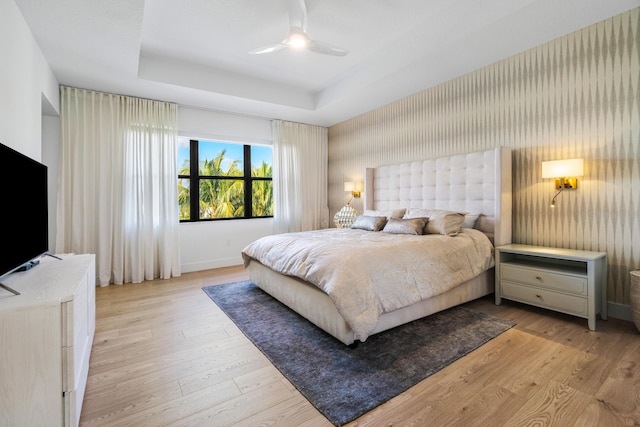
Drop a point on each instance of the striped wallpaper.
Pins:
(576, 96)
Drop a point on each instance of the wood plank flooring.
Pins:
(165, 355)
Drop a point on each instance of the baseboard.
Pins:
(208, 265)
(620, 311)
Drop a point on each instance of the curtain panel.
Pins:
(117, 195)
(300, 159)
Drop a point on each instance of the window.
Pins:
(222, 180)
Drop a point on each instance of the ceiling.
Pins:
(195, 52)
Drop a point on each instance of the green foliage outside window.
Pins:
(222, 181)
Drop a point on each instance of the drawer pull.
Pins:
(538, 296)
(539, 277)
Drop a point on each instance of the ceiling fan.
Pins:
(298, 38)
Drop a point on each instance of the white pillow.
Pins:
(389, 213)
(470, 220)
(440, 221)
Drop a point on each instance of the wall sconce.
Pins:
(355, 187)
(565, 173)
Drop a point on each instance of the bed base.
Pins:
(317, 307)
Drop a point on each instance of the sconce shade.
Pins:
(563, 168)
(355, 187)
(565, 173)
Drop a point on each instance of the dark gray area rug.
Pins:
(344, 382)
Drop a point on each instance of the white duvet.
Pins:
(369, 273)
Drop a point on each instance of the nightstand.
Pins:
(564, 280)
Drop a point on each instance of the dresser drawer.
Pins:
(544, 279)
(545, 298)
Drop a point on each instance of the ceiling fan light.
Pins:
(298, 39)
(297, 42)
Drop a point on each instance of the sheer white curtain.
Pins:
(117, 192)
(300, 157)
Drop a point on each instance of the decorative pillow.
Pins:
(389, 213)
(440, 221)
(369, 223)
(470, 220)
(413, 226)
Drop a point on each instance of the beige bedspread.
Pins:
(369, 273)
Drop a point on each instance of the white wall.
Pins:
(201, 123)
(50, 150)
(25, 79)
(28, 89)
(214, 244)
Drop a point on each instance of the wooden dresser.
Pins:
(46, 334)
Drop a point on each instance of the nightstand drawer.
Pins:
(544, 298)
(544, 279)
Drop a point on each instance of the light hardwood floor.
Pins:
(165, 354)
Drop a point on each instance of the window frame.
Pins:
(194, 178)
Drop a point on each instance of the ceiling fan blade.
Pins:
(268, 48)
(326, 49)
(298, 15)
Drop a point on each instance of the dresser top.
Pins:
(52, 281)
(550, 252)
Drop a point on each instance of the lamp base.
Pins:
(345, 217)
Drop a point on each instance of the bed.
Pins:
(476, 186)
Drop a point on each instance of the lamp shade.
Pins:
(353, 186)
(563, 168)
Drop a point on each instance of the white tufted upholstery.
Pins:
(477, 182)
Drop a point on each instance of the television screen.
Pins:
(23, 222)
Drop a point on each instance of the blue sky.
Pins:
(233, 152)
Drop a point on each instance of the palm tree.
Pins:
(220, 197)
(262, 197)
(184, 194)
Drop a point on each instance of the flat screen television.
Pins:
(24, 234)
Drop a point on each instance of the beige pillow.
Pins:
(440, 221)
(470, 220)
(413, 226)
(369, 223)
(389, 213)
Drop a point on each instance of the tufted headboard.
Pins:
(477, 182)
